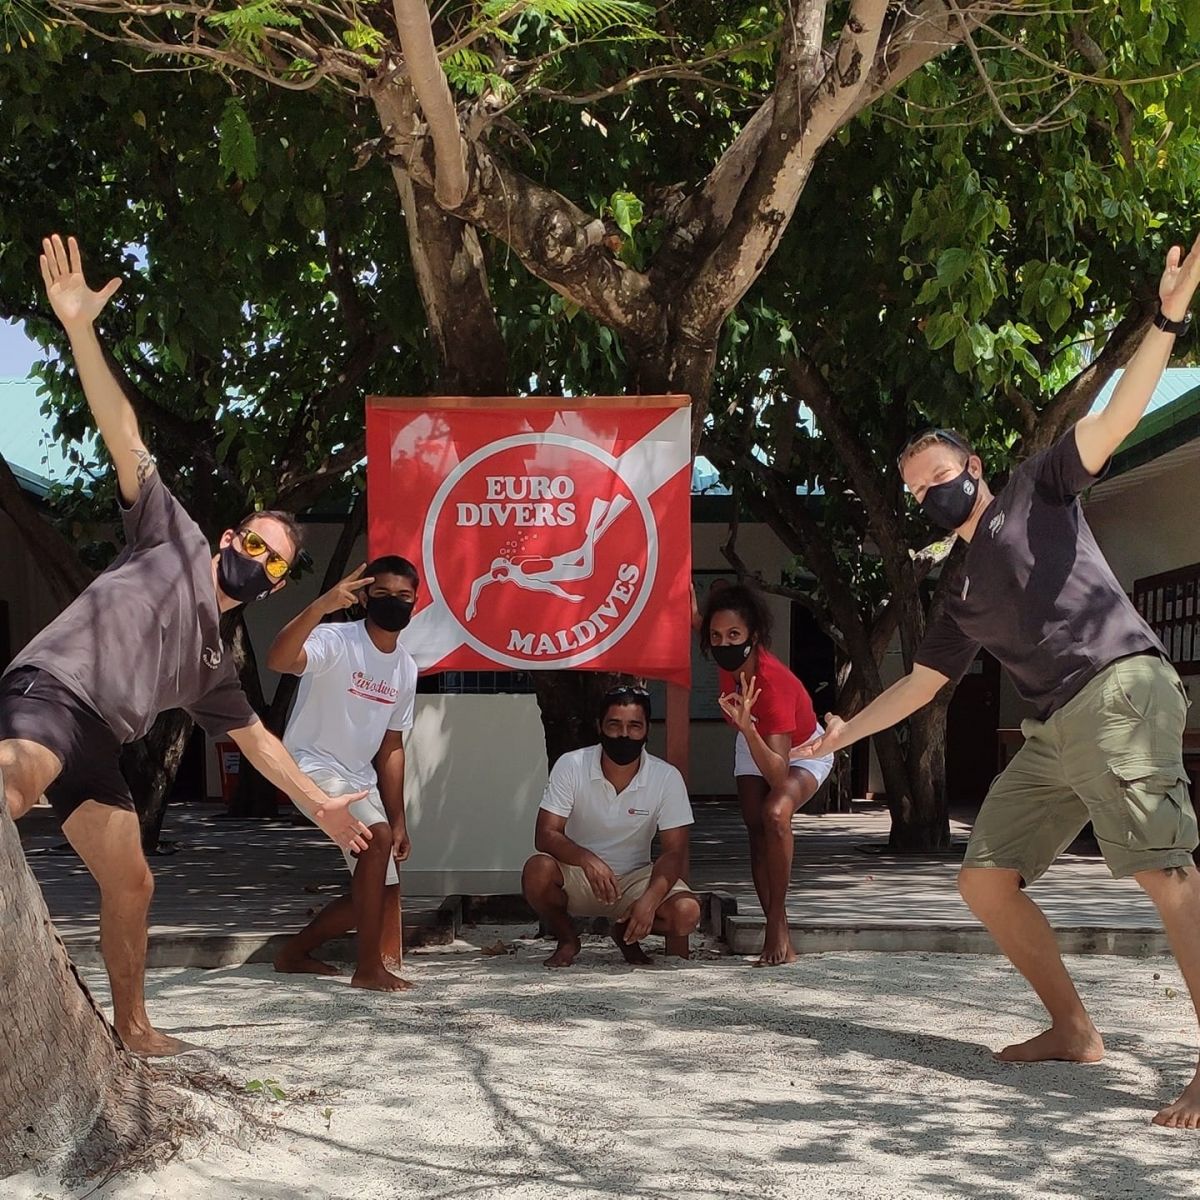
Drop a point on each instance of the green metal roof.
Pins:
(1160, 431)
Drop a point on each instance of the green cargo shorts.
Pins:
(1112, 755)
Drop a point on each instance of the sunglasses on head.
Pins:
(941, 435)
(276, 566)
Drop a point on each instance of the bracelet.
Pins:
(1163, 322)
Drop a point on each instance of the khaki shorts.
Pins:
(1112, 755)
(582, 902)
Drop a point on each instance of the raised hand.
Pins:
(826, 743)
(74, 303)
(336, 821)
(346, 593)
(1179, 281)
(739, 706)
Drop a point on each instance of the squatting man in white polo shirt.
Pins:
(602, 807)
(357, 693)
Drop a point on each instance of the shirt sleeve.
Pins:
(676, 810)
(947, 649)
(323, 649)
(774, 713)
(1059, 472)
(154, 517)
(404, 710)
(559, 797)
(224, 706)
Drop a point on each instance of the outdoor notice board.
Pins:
(549, 533)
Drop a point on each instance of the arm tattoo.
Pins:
(145, 465)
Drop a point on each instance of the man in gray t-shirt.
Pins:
(1106, 745)
(142, 638)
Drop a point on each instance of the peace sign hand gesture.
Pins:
(74, 303)
(739, 706)
(343, 595)
(1179, 281)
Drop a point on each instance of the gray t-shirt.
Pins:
(1038, 593)
(144, 636)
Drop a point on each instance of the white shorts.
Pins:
(369, 810)
(744, 764)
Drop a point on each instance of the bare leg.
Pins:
(779, 844)
(752, 794)
(1024, 935)
(393, 938)
(677, 919)
(631, 952)
(368, 889)
(1176, 894)
(109, 841)
(335, 920)
(28, 769)
(542, 884)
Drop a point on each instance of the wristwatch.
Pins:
(1178, 328)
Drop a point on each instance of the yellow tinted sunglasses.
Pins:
(276, 565)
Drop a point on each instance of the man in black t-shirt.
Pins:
(142, 638)
(1106, 744)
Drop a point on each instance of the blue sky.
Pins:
(17, 352)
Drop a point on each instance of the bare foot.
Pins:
(777, 948)
(149, 1043)
(564, 956)
(301, 964)
(1185, 1112)
(632, 952)
(379, 979)
(1077, 1044)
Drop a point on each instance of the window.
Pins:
(1170, 603)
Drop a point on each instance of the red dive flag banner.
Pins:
(549, 533)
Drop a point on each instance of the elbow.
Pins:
(280, 663)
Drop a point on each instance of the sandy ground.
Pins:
(845, 1076)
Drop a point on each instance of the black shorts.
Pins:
(35, 707)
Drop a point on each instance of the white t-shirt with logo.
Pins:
(351, 694)
(617, 827)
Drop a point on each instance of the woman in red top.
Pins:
(772, 712)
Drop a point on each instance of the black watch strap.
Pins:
(1178, 328)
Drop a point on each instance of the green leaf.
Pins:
(1058, 313)
(952, 265)
(942, 329)
(238, 149)
(627, 211)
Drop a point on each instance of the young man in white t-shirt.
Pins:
(602, 807)
(357, 692)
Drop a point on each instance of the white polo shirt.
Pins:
(617, 827)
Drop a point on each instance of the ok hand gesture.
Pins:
(739, 706)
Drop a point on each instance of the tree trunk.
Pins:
(66, 1082)
(920, 819)
(255, 797)
(150, 766)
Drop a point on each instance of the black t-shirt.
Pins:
(1038, 592)
(144, 636)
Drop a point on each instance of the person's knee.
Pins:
(985, 888)
(777, 816)
(540, 875)
(682, 916)
(135, 886)
(379, 845)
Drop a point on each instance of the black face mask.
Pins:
(622, 750)
(948, 505)
(240, 578)
(730, 658)
(390, 613)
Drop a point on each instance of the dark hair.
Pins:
(749, 604)
(285, 519)
(625, 693)
(393, 564)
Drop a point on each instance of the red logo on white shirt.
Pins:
(368, 688)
